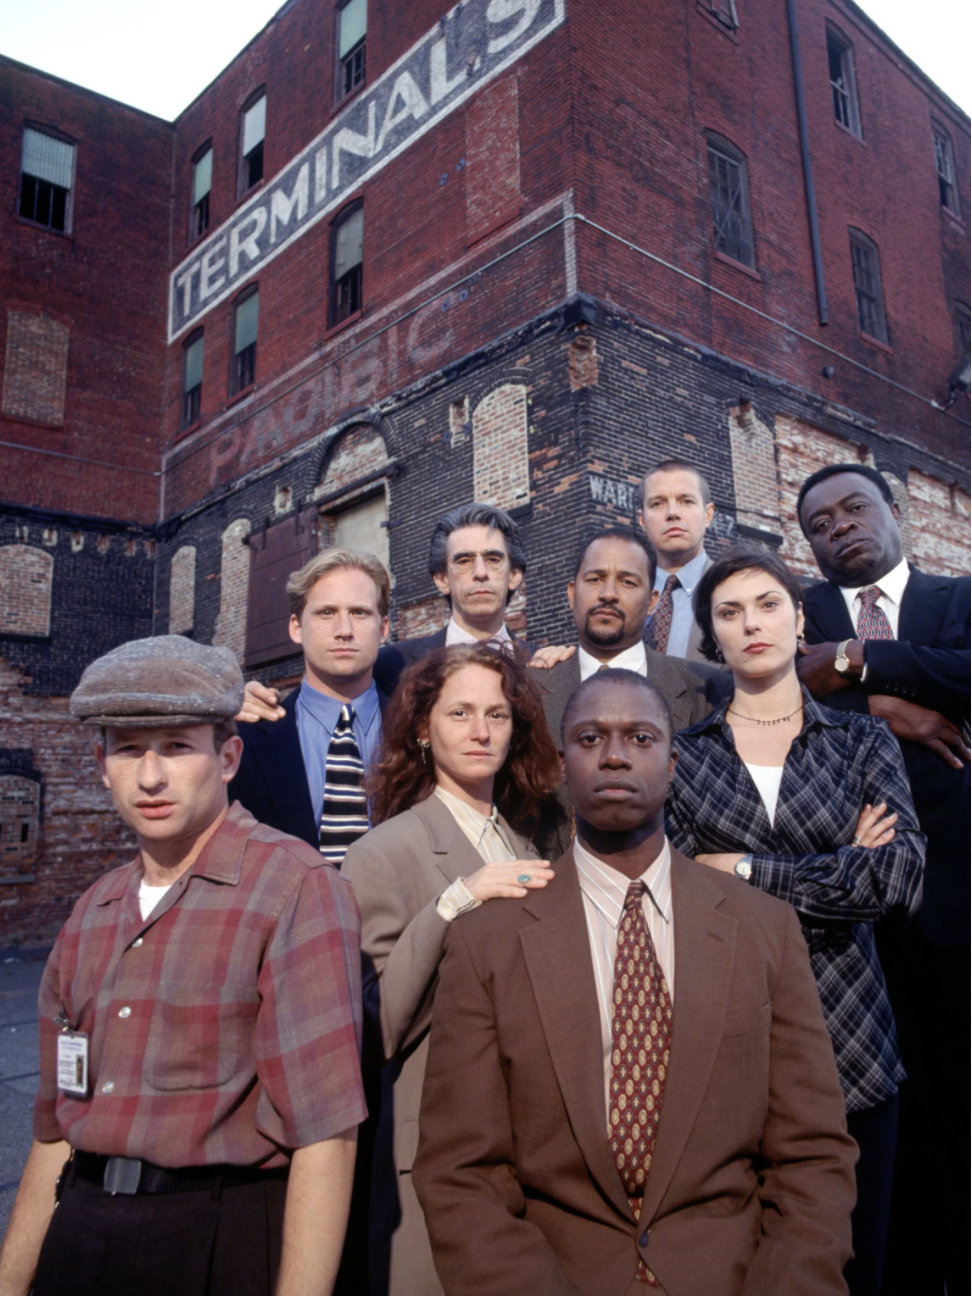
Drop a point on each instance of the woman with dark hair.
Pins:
(465, 763)
(812, 805)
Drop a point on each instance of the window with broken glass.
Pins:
(945, 166)
(192, 372)
(347, 258)
(728, 193)
(867, 285)
(724, 11)
(352, 20)
(202, 183)
(246, 313)
(46, 178)
(252, 134)
(842, 82)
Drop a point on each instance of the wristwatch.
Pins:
(744, 868)
(842, 662)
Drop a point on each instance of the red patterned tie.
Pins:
(641, 1034)
(871, 620)
(661, 623)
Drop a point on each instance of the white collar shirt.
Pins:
(456, 635)
(603, 890)
(634, 659)
(892, 587)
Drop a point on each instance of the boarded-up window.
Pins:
(501, 464)
(361, 525)
(182, 590)
(274, 554)
(25, 590)
(233, 588)
(492, 159)
(35, 368)
(19, 821)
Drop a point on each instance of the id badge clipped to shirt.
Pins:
(72, 1060)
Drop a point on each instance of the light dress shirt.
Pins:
(892, 587)
(633, 659)
(487, 838)
(683, 618)
(456, 635)
(603, 890)
(317, 717)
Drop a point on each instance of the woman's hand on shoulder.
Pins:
(511, 880)
(875, 827)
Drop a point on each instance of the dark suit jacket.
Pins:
(752, 1182)
(393, 658)
(690, 689)
(928, 664)
(271, 781)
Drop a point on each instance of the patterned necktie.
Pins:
(641, 1035)
(344, 813)
(871, 620)
(661, 623)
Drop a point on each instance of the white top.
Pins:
(767, 779)
(149, 897)
(892, 587)
(634, 659)
(456, 635)
(489, 841)
(603, 890)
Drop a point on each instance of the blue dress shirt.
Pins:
(317, 717)
(683, 617)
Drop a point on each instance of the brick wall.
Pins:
(35, 368)
(939, 516)
(230, 631)
(501, 461)
(25, 590)
(182, 590)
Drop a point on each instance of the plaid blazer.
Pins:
(839, 762)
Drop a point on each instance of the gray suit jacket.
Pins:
(398, 871)
(690, 689)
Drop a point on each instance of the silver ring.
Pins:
(524, 877)
(857, 841)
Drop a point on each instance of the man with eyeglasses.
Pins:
(477, 562)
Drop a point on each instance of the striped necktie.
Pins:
(344, 812)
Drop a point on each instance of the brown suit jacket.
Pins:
(398, 871)
(752, 1183)
(690, 689)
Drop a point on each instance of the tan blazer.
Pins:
(752, 1183)
(398, 871)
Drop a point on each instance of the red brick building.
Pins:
(395, 258)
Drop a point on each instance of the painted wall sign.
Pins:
(608, 490)
(469, 46)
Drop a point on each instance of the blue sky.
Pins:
(159, 54)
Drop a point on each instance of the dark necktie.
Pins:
(872, 623)
(641, 1034)
(344, 812)
(661, 623)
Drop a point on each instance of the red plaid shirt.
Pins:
(226, 1027)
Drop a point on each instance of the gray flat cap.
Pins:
(150, 683)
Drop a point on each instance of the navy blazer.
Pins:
(393, 658)
(271, 781)
(928, 664)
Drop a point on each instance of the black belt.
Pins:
(128, 1175)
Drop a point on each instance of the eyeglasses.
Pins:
(495, 560)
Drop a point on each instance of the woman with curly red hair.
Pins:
(465, 763)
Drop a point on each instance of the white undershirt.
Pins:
(149, 897)
(767, 779)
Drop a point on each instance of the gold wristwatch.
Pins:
(842, 662)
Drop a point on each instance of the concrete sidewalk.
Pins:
(20, 975)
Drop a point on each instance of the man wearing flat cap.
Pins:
(200, 1092)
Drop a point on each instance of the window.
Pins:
(962, 328)
(254, 129)
(729, 195)
(245, 339)
(347, 254)
(352, 30)
(724, 11)
(192, 372)
(867, 285)
(202, 182)
(945, 165)
(842, 84)
(46, 176)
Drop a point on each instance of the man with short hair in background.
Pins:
(676, 511)
(200, 1023)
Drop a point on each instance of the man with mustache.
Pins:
(630, 1084)
(611, 596)
(891, 640)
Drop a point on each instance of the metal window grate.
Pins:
(730, 206)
